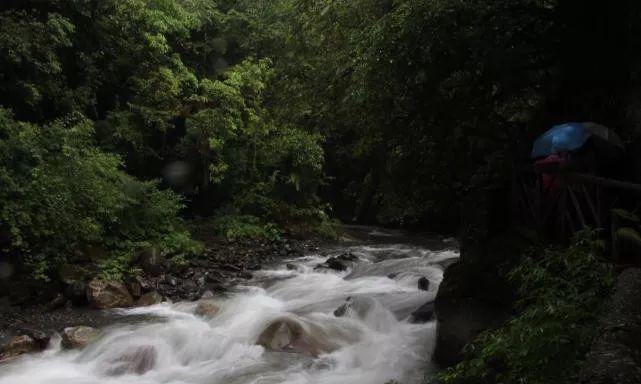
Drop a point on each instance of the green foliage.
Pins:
(61, 193)
(178, 246)
(235, 227)
(406, 91)
(106, 94)
(117, 266)
(559, 292)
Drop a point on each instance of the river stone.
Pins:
(333, 263)
(348, 256)
(136, 360)
(17, 346)
(207, 308)
(290, 335)
(108, 294)
(40, 338)
(423, 284)
(78, 337)
(423, 314)
(357, 305)
(149, 298)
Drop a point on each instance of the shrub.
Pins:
(60, 193)
(559, 294)
(235, 227)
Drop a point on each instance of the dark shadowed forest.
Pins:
(142, 139)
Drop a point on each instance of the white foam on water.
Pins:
(376, 344)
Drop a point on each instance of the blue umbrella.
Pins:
(561, 138)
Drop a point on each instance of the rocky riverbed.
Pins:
(359, 311)
(28, 309)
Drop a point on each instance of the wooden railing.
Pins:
(577, 201)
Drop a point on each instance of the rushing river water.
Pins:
(372, 344)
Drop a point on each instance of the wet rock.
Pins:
(108, 294)
(151, 261)
(339, 263)
(136, 360)
(423, 284)
(473, 295)
(333, 263)
(291, 335)
(342, 310)
(359, 306)
(291, 267)
(18, 345)
(348, 256)
(57, 302)
(40, 338)
(79, 337)
(423, 314)
(207, 295)
(149, 298)
(207, 308)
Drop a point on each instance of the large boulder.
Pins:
(136, 360)
(288, 334)
(475, 295)
(207, 308)
(108, 294)
(78, 337)
(149, 298)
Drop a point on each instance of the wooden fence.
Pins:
(571, 202)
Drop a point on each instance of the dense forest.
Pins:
(122, 122)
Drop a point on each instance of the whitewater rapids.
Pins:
(374, 346)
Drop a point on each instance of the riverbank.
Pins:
(51, 307)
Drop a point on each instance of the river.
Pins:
(372, 343)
